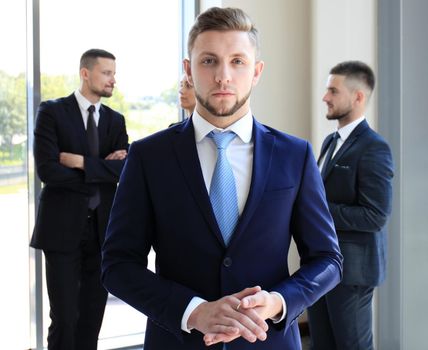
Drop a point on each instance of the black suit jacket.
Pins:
(63, 203)
(358, 183)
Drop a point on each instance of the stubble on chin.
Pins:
(103, 93)
(222, 111)
(107, 94)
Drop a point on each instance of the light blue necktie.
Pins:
(223, 195)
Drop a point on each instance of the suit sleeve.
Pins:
(46, 151)
(125, 252)
(99, 169)
(374, 193)
(313, 231)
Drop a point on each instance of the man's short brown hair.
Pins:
(89, 58)
(223, 19)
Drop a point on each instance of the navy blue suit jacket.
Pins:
(63, 203)
(358, 183)
(162, 202)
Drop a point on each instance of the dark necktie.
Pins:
(223, 194)
(93, 142)
(329, 154)
(92, 133)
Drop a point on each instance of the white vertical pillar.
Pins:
(403, 106)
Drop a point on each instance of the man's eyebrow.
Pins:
(207, 53)
(210, 53)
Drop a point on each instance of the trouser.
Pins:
(76, 296)
(342, 319)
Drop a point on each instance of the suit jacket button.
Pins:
(227, 262)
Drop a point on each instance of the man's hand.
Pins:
(266, 305)
(117, 155)
(223, 321)
(71, 160)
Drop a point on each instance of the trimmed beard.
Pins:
(102, 93)
(210, 108)
(339, 114)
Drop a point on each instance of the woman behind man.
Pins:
(187, 96)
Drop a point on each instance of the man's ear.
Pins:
(258, 69)
(84, 73)
(360, 96)
(187, 69)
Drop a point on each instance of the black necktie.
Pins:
(93, 142)
(92, 133)
(329, 154)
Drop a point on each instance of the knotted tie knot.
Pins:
(222, 139)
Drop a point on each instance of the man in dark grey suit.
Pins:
(80, 146)
(357, 170)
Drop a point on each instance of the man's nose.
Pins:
(325, 97)
(223, 75)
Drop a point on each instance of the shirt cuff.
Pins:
(284, 309)
(194, 303)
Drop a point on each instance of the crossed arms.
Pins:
(77, 161)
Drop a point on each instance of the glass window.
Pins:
(145, 37)
(14, 259)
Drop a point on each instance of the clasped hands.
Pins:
(242, 314)
(72, 160)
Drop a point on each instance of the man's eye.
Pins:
(208, 61)
(238, 61)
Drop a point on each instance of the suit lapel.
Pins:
(73, 112)
(263, 148)
(324, 147)
(103, 125)
(363, 126)
(187, 155)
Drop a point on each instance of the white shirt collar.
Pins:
(242, 127)
(347, 129)
(84, 103)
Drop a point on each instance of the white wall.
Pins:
(341, 30)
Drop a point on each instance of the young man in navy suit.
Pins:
(221, 242)
(357, 170)
(80, 146)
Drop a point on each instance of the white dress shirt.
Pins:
(240, 156)
(84, 105)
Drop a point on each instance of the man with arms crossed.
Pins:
(356, 167)
(79, 147)
(219, 198)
